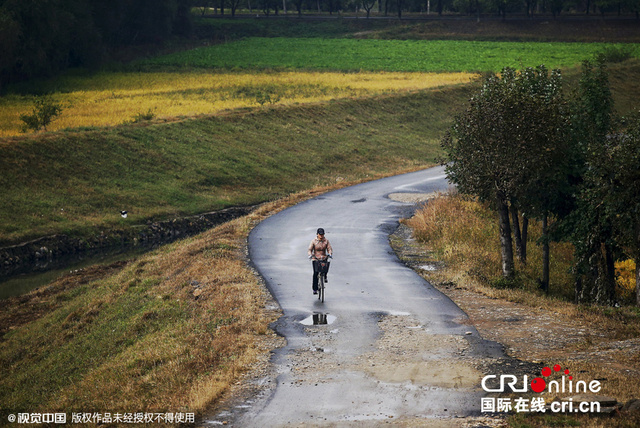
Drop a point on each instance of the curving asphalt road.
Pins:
(335, 373)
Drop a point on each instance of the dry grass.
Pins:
(464, 235)
(107, 99)
(179, 325)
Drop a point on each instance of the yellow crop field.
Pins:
(107, 99)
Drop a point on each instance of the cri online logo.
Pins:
(538, 384)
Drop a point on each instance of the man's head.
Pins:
(320, 233)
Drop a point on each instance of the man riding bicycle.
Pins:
(319, 249)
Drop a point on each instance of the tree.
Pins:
(544, 190)
(592, 221)
(556, 7)
(368, 5)
(610, 208)
(233, 4)
(623, 195)
(500, 148)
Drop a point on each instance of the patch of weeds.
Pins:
(513, 282)
(144, 117)
(264, 94)
(614, 54)
(263, 97)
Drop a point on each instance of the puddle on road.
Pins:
(319, 319)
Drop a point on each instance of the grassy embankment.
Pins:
(167, 332)
(77, 182)
(140, 169)
(114, 98)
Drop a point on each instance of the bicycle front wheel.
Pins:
(321, 288)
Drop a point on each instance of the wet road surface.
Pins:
(385, 345)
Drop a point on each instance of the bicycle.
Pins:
(323, 268)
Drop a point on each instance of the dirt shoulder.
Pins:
(545, 334)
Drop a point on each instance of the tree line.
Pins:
(42, 37)
(435, 7)
(569, 161)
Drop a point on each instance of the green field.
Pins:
(381, 55)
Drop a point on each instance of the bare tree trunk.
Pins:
(506, 244)
(525, 236)
(516, 230)
(544, 282)
(610, 272)
(638, 281)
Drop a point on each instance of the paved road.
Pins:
(393, 347)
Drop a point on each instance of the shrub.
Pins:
(45, 110)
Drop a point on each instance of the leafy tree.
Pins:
(592, 220)
(623, 195)
(556, 7)
(543, 191)
(9, 41)
(234, 4)
(501, 148)
(609, 214)
(626, 196)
